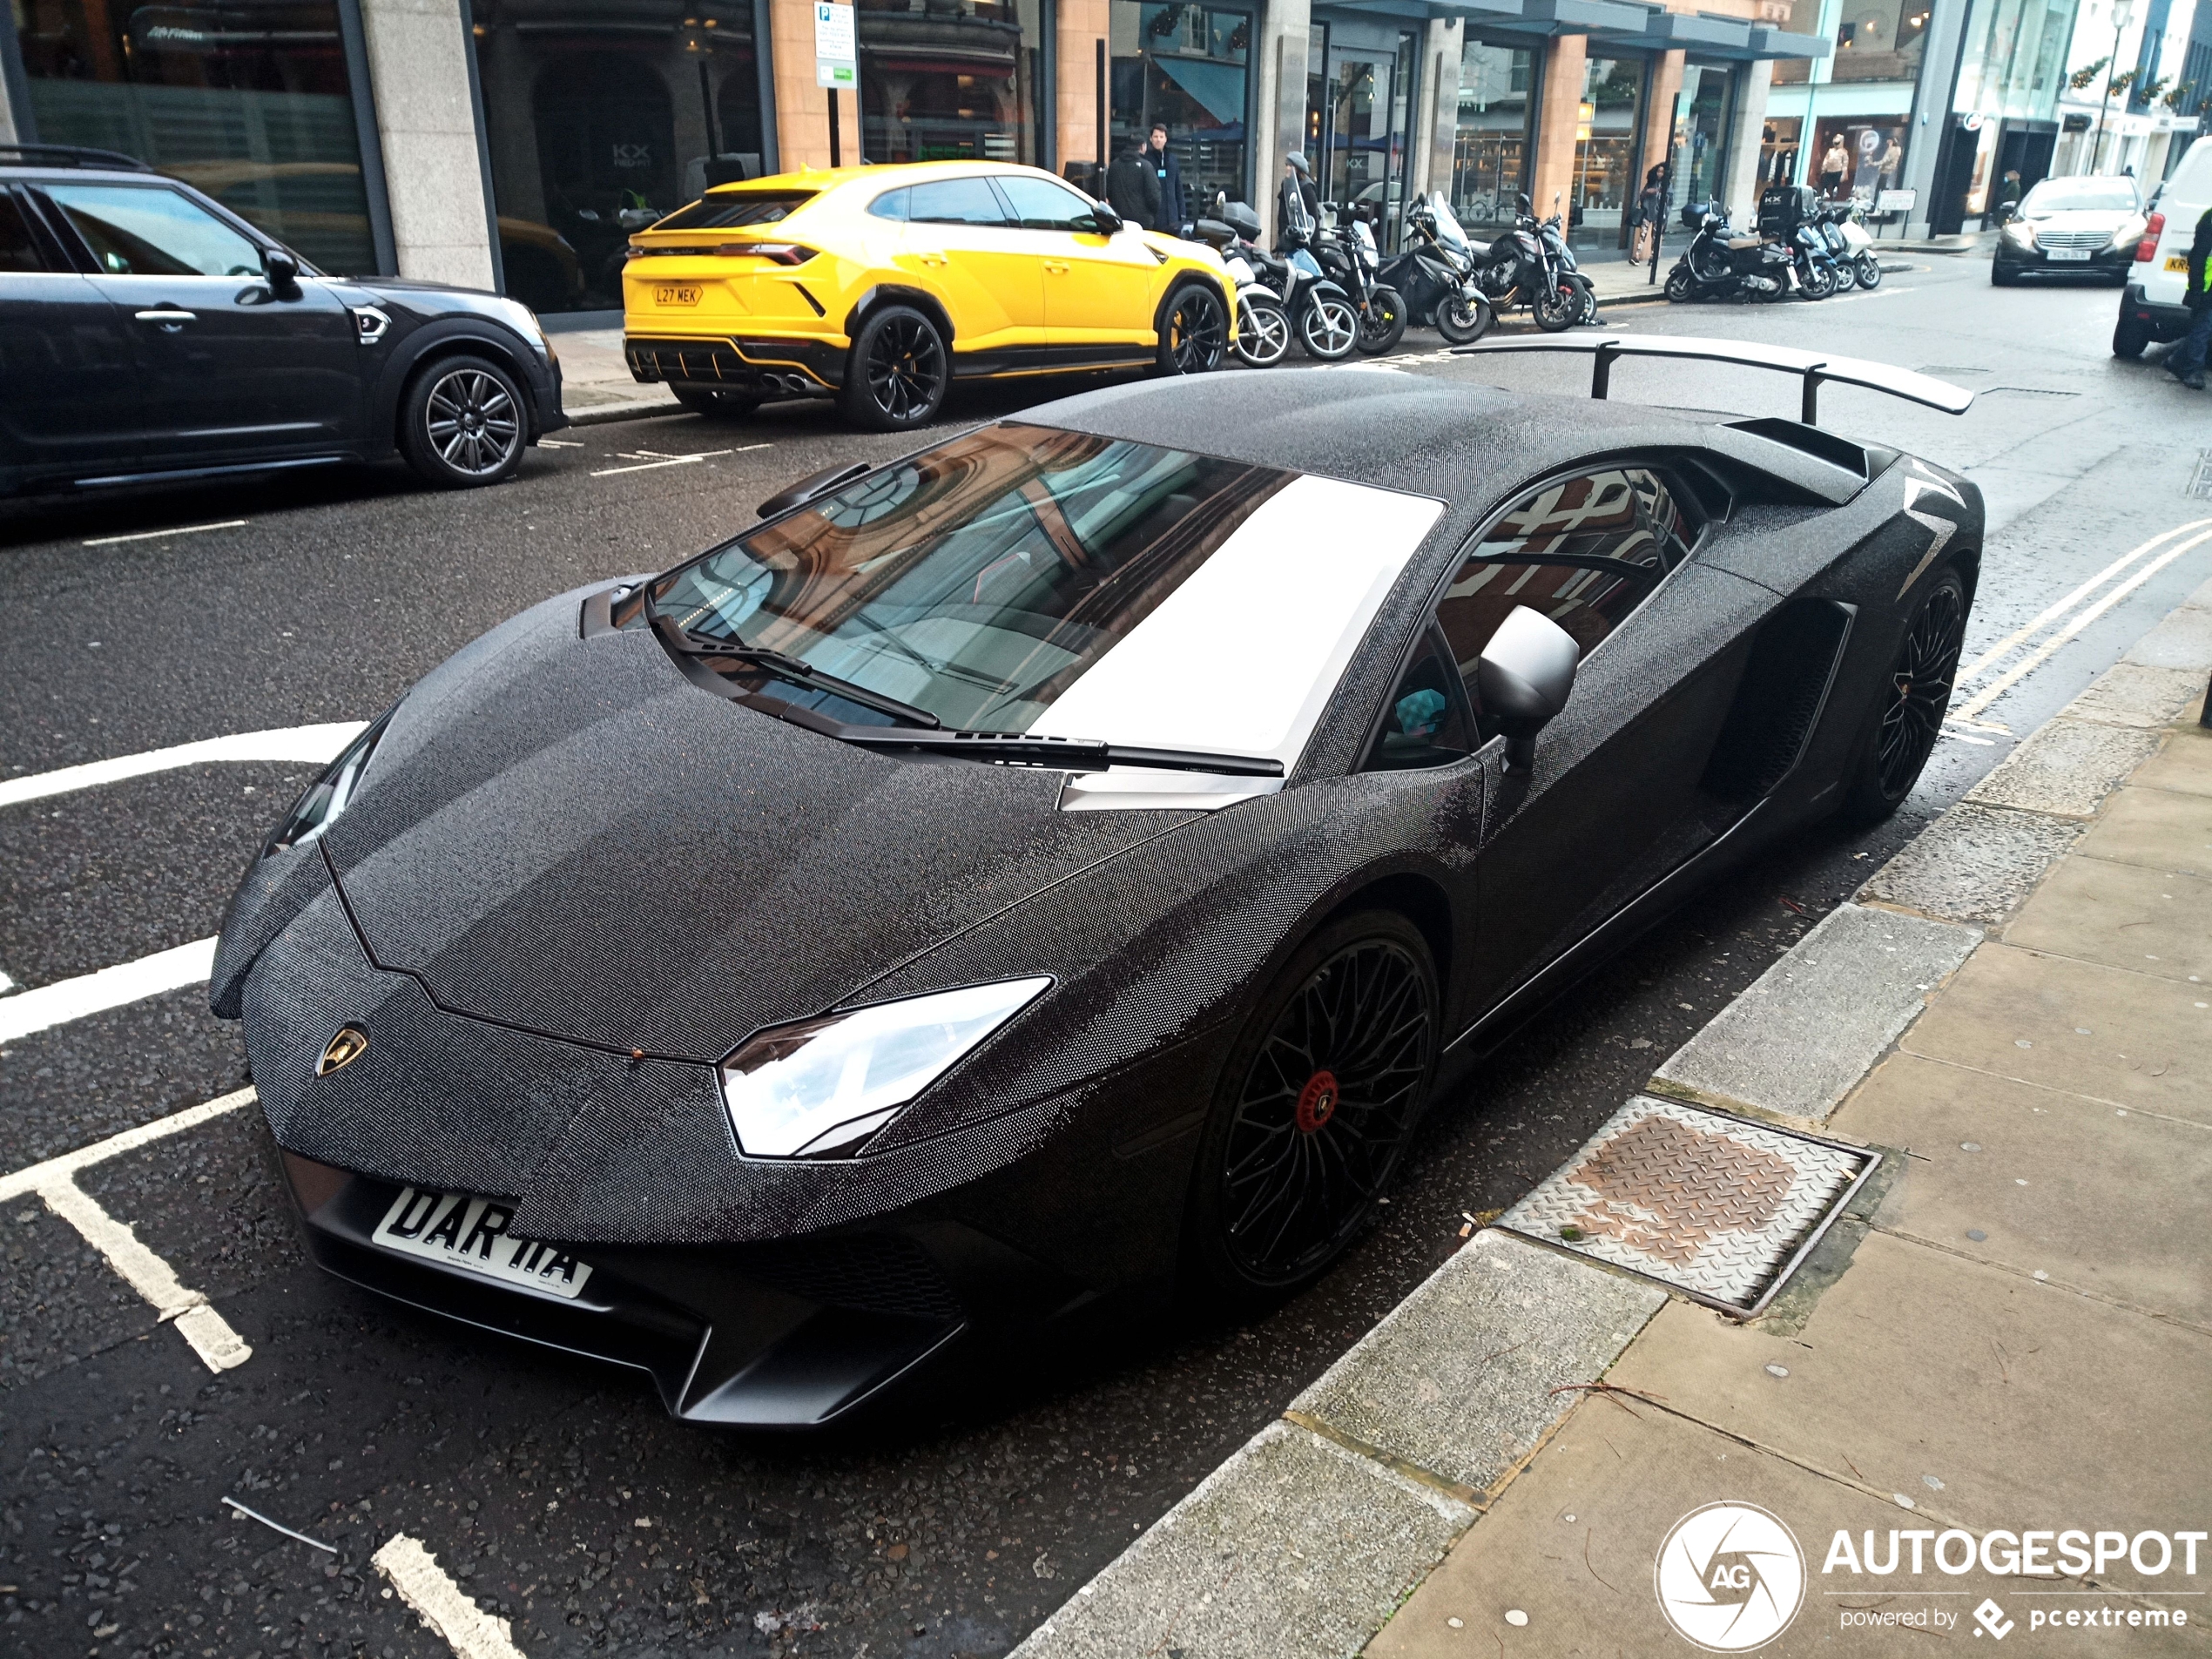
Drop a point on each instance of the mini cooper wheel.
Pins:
(1907, 716)
(461, 424)
(1329, 328)
(898, 372)
(1315, 1107)
(1193, 329)
(715, 405)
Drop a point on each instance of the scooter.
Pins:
(1849, 243)
(1321, 314)
(1719, 265)
(1263, 325)
(1436, 273)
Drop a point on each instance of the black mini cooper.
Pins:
(148, 335)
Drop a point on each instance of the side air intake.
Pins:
(1784, 687)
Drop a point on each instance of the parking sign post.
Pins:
(836, 63)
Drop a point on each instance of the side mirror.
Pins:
(283, 273)
(806, 488)
(1105, 220)
(1523, 677)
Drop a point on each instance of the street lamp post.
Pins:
(2123, 15)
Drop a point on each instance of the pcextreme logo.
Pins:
(1730, 1577)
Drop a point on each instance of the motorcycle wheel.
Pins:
(1263, 333)
(1679, 285)
(1464, 319)
(1559, 310)
(1817, 281)
(1384, 325)
(1867, 270)
(1329, 328)
(1588, 313)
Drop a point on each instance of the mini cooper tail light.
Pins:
(822, 1087)
(780, 253)
(2149, 246)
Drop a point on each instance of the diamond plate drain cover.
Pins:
(1716, 1207)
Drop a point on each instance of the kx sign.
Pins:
(836, 63)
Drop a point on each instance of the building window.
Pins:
(1187, 67)
(1858, 156)
(1605, 144)
(248, 100)
(1360, 101)
(1491, 149)
(1702, 159)
(601, 119)
(1779, 150)
(950, 80)
(1881, 40)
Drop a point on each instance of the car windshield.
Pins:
(1023, 578)
(733, 212)
(2080, 195)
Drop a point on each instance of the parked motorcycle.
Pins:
(1518, 269)
(1348, 255)
(1849, 243)
(1789, 215)
(1436, 273)
(1322, 316)
(1719, 265)
(1263, 325)
(1563, 258)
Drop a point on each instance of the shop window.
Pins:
(950, 80)
(1858, 156)
(1359, 108)
(1605, 146)
(1881, 40)
(1702, 159)
(1491, 148)
(601, 119)
(1779, 150)
(249, 100)
(1187, 67)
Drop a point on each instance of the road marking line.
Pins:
(558, 443)
(219, 1347)
(438, 1602)
(318, 743)
(66, 1164)
(2012, 677)
(6, 984)
(647, 466)
(149, 536)
(111, 988)
(2061, 607)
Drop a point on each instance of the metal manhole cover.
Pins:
(1719, 1208)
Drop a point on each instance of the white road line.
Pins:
(111, 988)
(6, 984)
(2059, 608)
(149, 536)
(558, 443)
(2012, 676)
(646, 466)
(316, 744)
(65, 1166)
(438, 1602)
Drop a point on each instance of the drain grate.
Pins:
(1716, 1207)
(2200, 482)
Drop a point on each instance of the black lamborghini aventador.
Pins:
(1065, 860)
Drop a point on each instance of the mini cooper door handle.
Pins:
(171, 315)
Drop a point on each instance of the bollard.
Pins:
(2204, 714)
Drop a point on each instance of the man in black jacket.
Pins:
(2186, 362)
(1168, 176)
(1132, 188)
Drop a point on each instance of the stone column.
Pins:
(1658, 120)
(418, 71)
(802, 108)
(1081, 28)
(1743, 158)
(1558, 118)
(1278, 58)
(1441, 121)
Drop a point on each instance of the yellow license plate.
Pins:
(2177, 262)
(669, 295)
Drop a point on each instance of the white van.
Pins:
(2151, 306)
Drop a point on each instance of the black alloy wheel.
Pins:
(1463, 319)
(462, 424)
(1915, 694)
(898, 373)
(1317, 1105)
(1561, 309)
(1193, 330)
(1382, 324)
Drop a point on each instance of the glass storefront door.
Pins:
(600, 119)
(1187, 67)
(1490, 149)
(950, 80)
(1701, 160)
(247, 100)
(1605, 151)
(1360, 107)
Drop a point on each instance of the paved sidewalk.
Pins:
(595, 380)
(2005, 1338)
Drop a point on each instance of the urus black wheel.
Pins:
(1907, 718)
(1316, 1107)
(898, 373)
(1193, 329)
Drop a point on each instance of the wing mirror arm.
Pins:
(283, 272)
(1524, 676)
(814, 484)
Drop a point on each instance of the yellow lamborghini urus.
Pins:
(881, 285)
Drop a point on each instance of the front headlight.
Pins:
(821, 1087)
(330, 794)
(2021, 232)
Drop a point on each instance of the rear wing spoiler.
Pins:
(1814, 366)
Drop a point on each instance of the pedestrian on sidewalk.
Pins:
(1132, 190)
(1651, 209)
(1168, 177)
(2186, 362)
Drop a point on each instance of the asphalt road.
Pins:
(555, 1491)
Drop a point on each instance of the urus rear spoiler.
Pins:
(1814, 366)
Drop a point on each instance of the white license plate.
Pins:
(2082, 253)
(454, 1229)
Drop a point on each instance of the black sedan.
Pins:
(149, 334)
(1064, 861)
(2073, 227)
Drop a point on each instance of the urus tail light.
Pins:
(2152, 232)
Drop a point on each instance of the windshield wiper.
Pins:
(1059, 754)
(794, 668)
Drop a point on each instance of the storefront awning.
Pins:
(1219, 87)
